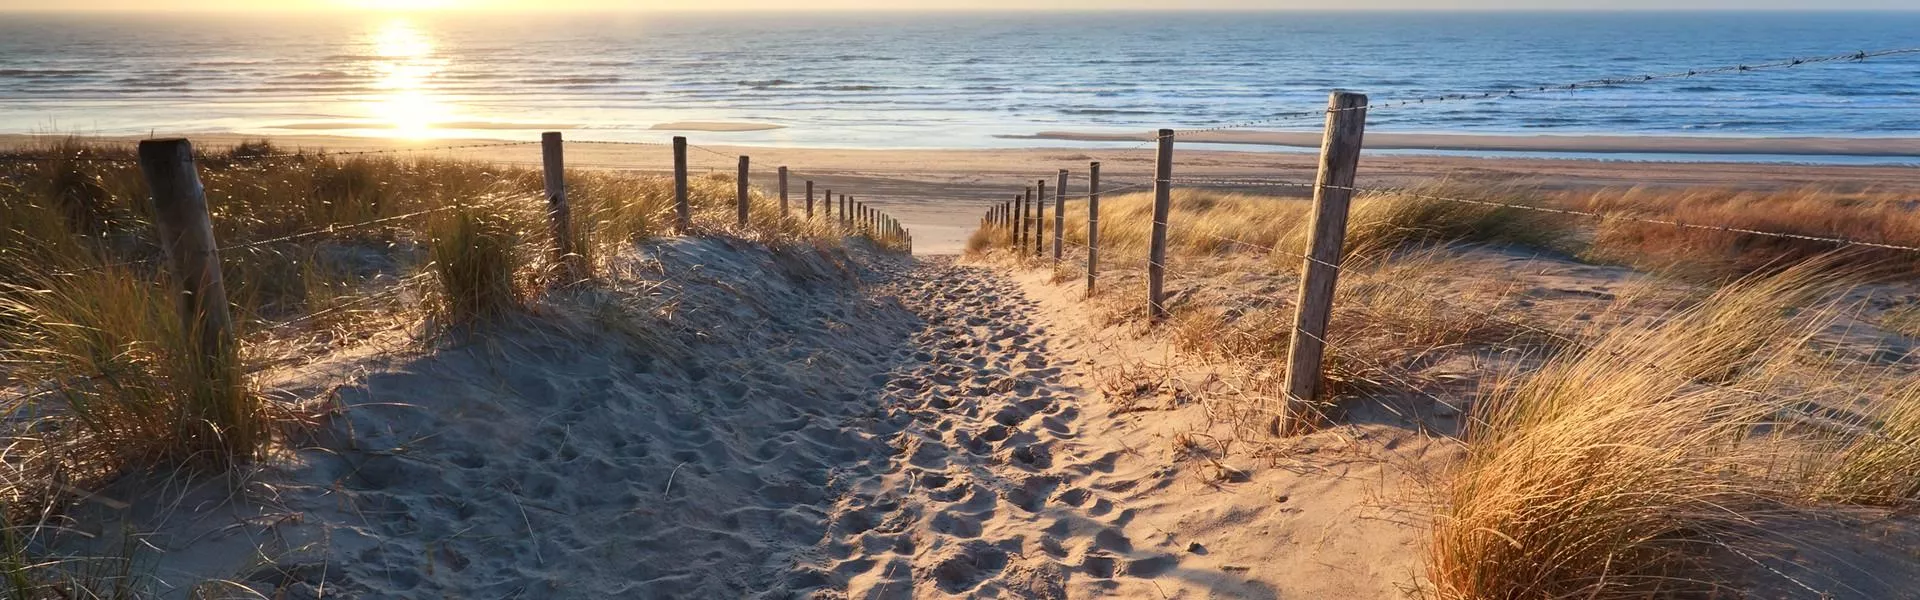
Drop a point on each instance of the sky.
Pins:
(985, 5)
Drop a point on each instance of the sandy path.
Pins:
(981, 498)
(1007, 482)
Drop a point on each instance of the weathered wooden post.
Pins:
(1332, 191)
(1059, 216)
(826, 202)
(1093, 226)
(784, 211)
(559, 218)
(186, 239)
(1019, 223)
(740, 190)
(1040, 220)
(683, 214)
(1162, 205)
(809, 200)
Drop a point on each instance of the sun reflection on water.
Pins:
(405, 63)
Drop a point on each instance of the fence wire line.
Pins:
(261, 157)
(323, 154)
(1514, 91)
(290, 237)
(1562, 211)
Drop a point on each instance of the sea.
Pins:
(944, 80)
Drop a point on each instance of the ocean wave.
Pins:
(1106, 111)
(48, 73)
(566, 81)
(327, 75)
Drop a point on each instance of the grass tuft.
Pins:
(1600, 476)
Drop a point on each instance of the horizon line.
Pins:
(636, 11)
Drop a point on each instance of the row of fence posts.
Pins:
(1024, 218)
(186, 227)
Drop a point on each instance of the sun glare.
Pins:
(406, 63)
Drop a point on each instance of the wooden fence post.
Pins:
(559, 217)
(740, 190)
(1093, 226)
(1339, 159)
(186, 238)
(784, 211)
(683, 214)
(809, 199)
(1019, 223)
(1059, 216)
(1162, 205)
(826, 203)
(1040, 220)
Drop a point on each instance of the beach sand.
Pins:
(726, 420)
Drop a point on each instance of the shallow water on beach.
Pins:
(926, 81)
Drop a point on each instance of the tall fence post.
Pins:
(559, 217)
(1040, 220)
(826, 202)
(1059, 216)
(784, 211)
(1162, 205)
(1093, 226)
(809, 199)
(740, 189)
(683, 214)
(186, 238)
(1332, 191)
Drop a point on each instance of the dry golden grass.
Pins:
(1206, 223)
(1881, 467)
(1598, 476)
(1881, 217)
(1590, 474)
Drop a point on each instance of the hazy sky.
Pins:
(792, 5)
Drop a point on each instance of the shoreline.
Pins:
(1652, 144)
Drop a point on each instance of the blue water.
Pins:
(940, 80)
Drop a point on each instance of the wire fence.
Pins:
(846, 216)
(1024, 229)
(1019, 226)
